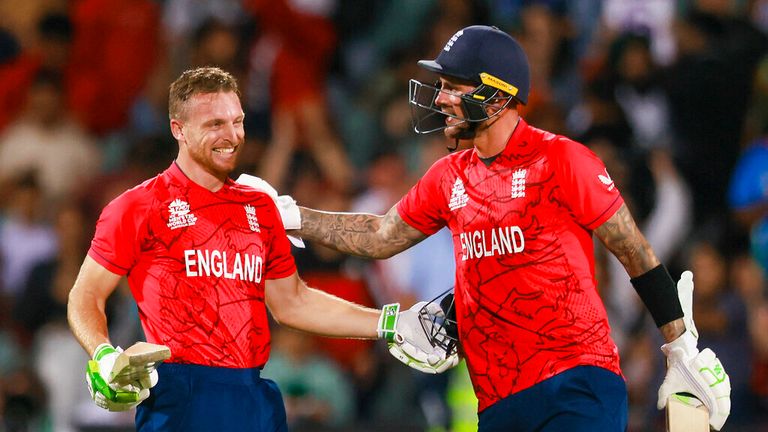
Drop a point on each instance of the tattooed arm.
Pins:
(622, 237)
(360, 234)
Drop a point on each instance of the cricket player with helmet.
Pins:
(522, 205)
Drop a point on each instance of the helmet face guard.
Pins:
(441, 329)
(477, 106)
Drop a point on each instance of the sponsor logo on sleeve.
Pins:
(606, 180)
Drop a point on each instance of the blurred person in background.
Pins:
(47, 140)
(26, 235)
(749, 280)
(317, 394)
(721, 318)
(41, 310)
(712, 54)
(49, 49)
(294, 61)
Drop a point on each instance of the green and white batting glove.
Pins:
(690, 372)
(110, 396)
(409, 342)
(286, 205)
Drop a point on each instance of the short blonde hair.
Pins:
(198, 81)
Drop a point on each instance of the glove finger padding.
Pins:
(702, 376)
(421, 361)
(110, 396)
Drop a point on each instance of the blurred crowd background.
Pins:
(671, 94)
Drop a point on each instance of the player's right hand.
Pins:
(409, 342)
(108, 395)
(286, 205)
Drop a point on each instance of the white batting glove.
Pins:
(689, 371)
(286, 205)
(111, 396)
(408, 341)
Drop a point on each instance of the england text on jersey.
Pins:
(205, 263)
(496, 241)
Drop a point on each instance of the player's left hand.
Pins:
(697, 373)
(690, 372)
(408, 341)
(286, 205)
(111, 396)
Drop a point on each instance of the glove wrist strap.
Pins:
(388, 321)
(102, 350)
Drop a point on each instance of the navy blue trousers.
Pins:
(582, 399)
(202, 398)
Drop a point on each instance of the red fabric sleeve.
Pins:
(423, 207)
(279, 259)
(588, 189)
(117, 243)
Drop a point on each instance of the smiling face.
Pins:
(210, 134)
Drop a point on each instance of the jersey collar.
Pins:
(175, 171)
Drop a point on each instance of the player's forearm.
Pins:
(622, 237)
(87, 319)
(352, 233)
(87, 303)
(323, 314)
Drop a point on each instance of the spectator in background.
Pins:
(182, 18)
(639, 91)
(42, 311)
(655, 17)
(47, 141)
(294, 59)
(25, 236)
(748, 196)
(709, 135)
(721, 319)
(749, 280)
(50, 50)
(316, 392)
(115, 47)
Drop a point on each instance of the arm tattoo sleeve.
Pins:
(622, 237)
(360, 234)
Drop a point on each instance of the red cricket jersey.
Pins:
(526, 297)
(196, 262)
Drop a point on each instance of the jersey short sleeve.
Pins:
(588, 190)
(281, 262)
(423, 206)
(115, 244)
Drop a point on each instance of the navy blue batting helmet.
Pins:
(485, 55)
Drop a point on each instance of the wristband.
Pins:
(659, 294)
(102, 350)
(388, 321)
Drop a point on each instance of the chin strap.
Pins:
(467, 133)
